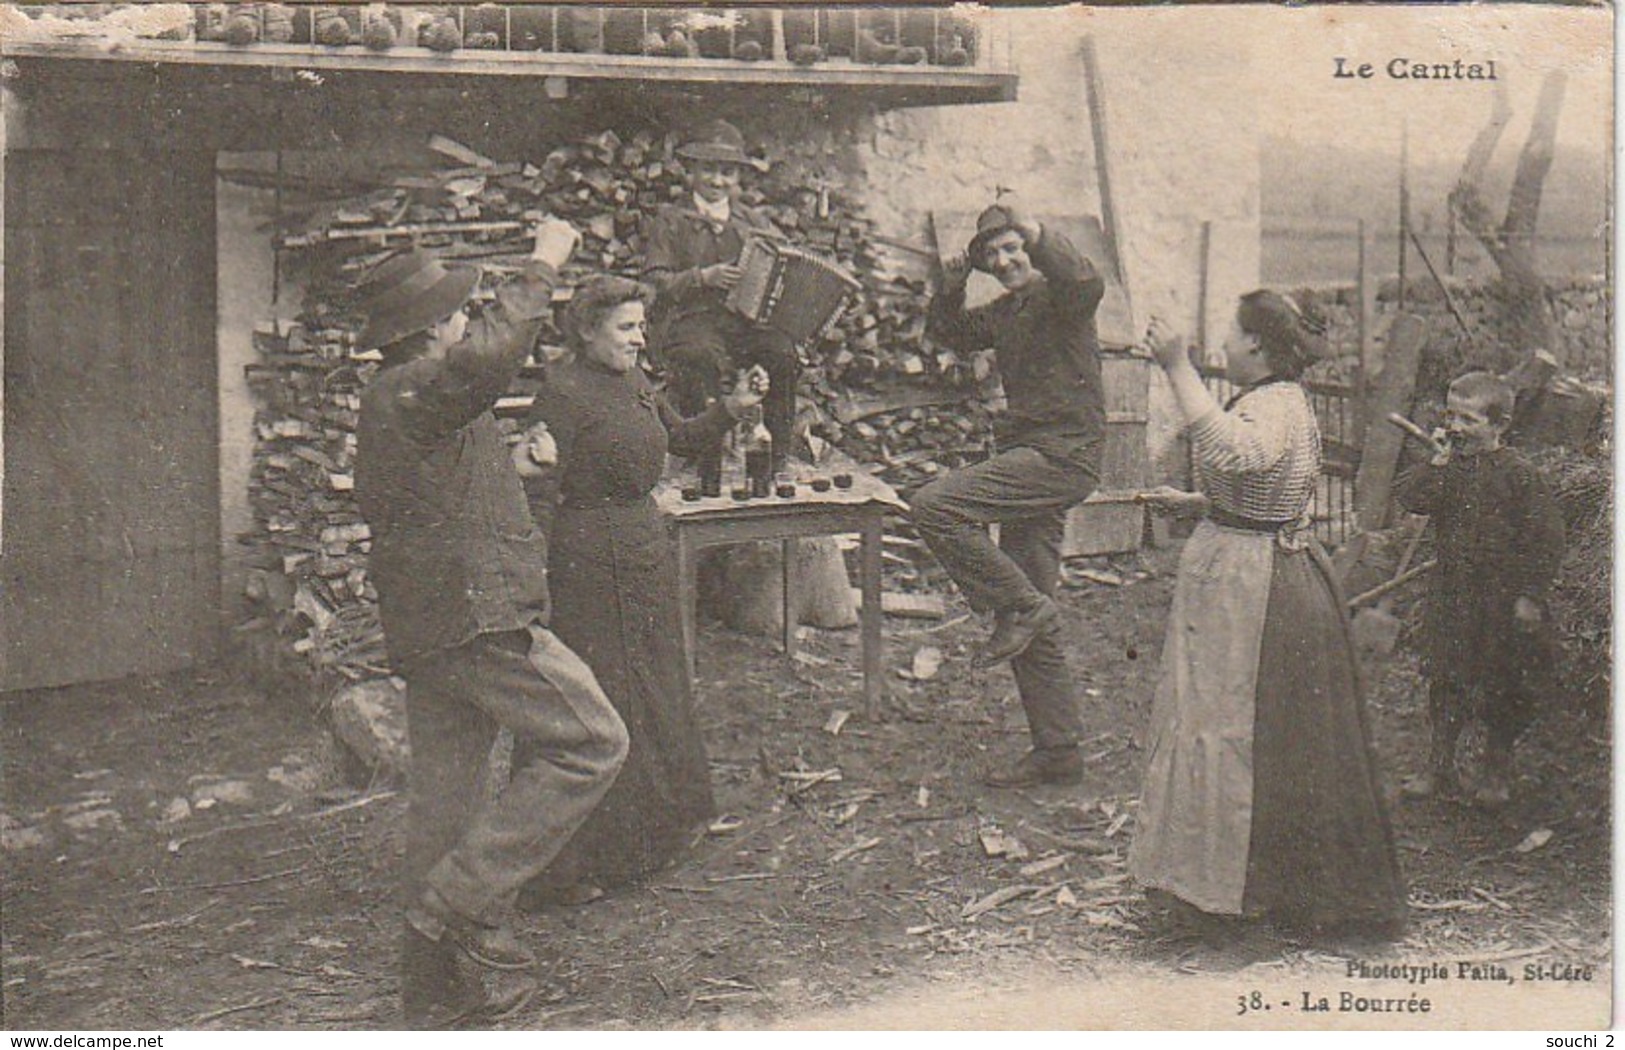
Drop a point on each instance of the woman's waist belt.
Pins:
(1230, 520)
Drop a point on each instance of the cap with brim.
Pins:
(718, 141)
(994, 220)
(410, 292)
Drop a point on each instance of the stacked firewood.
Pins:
(310, 541)
(913, 445)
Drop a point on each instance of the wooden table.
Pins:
(697, 525)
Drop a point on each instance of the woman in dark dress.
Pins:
(1261, 797)
(613, 583)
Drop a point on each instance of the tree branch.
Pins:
(1511, 245)
(1467, 199)
(1523, 205)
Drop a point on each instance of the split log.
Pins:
(754, 586)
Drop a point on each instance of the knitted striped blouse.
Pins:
(1261, 458)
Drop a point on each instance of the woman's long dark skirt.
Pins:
(614, 592)
(1321, 854)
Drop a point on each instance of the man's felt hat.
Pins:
(409, 292)
(994, 220)
(717, 141)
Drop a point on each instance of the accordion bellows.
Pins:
(792, 291)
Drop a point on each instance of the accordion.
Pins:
(789, 290)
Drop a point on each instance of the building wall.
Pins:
(1182, 151)
(954, 159)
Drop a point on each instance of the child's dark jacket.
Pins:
(1499, 537)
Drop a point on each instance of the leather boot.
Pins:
(1061, 765)
(436, 993)
(492, 946)
(1014, 630)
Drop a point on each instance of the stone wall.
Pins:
(1583, 310)
(1582, 307)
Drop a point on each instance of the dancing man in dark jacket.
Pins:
(1047, 458)
(461, 573)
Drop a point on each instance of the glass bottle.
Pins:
(759, 459)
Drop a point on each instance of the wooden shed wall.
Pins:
(110, 564)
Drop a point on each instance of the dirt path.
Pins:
(272, 906)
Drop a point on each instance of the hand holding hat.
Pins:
(1022, 223)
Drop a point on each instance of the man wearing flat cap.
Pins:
(1047, 458)
(461, 573)
(691, 259)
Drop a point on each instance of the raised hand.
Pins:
(1166, 345)
(556, 241)
(956, 270)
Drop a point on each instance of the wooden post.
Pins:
(790, 606)
(687, 585)
(1367, 291)
(873, 539)
(1380, 448)
(1094, 83)
(1449, 299)
(1450, 242)
(1204, 291)
(1404, 207)
(776, 18)
(7, 101)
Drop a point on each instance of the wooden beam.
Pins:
(1366, 288)
(1204, 307)
(91, 104)
(969, 85)
(1404, 205)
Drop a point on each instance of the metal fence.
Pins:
(1337, 409)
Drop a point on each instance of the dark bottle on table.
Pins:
(710, 468)
(759, 460)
